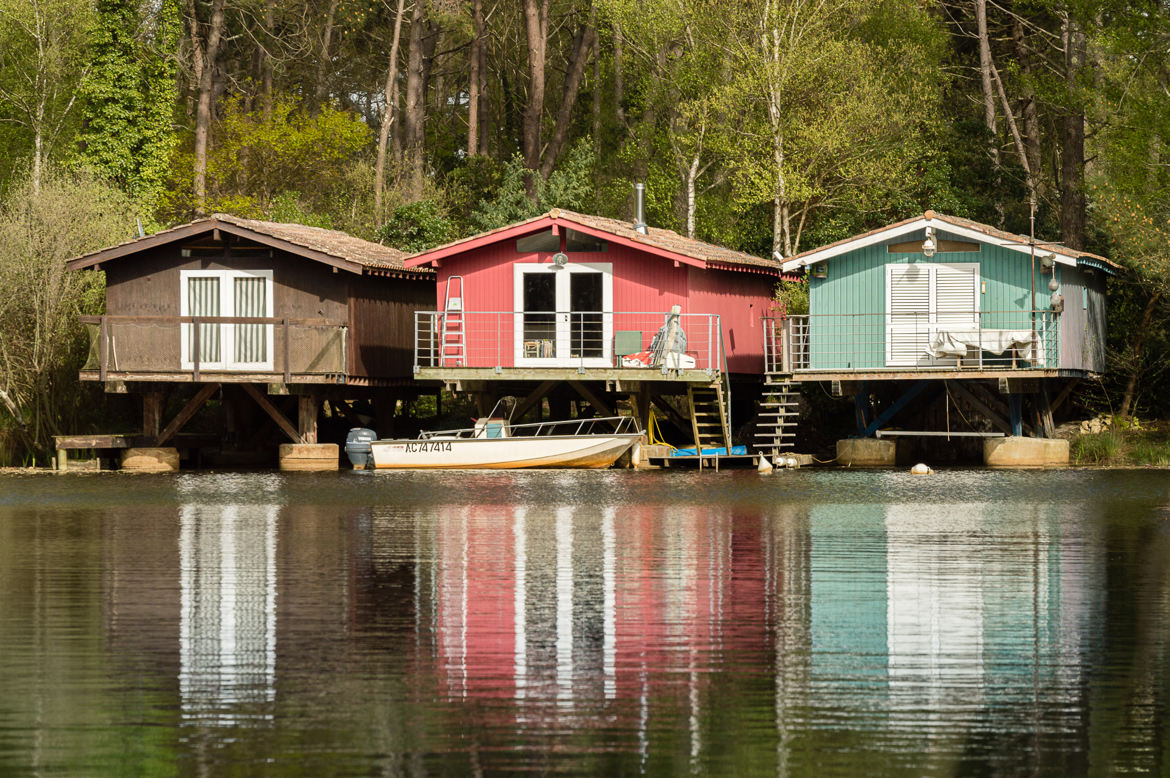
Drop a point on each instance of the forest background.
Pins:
(762, 125)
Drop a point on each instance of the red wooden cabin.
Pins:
(567, 297)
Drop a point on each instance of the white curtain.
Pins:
(203, 300)
(251, 345)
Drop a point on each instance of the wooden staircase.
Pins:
(779, 411)
(710, 417)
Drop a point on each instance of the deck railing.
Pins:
(175, 345)
(591, 340)
(978, 340)
(592, 425)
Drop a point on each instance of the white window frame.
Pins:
(932, 313)
(226, 331)
(562, 356)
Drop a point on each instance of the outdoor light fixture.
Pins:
(560, 259)
(929, 246)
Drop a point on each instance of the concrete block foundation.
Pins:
(1025, 452)
(150, 460)
(866, 452)
(309, 457)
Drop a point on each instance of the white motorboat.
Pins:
(494, 443)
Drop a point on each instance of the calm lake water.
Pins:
(809, 622)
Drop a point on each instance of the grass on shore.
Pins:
(1149, 447)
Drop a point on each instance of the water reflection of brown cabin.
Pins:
(276, 308)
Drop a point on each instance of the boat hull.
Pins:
(588, 451)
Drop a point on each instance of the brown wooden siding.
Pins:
(382, 324)
(379, 343)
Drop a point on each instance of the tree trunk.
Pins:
(536, 30)
(988, 95)
(596, 93)
(266, 74)
(1029, 111)
(389, 113)
(423, 35)
(692, 174)
(618, 87)
(1072, 147)
(578, 59)
(203, 107)
(1029, 177)
(1139, 339)
(474, 77)
(322, 87)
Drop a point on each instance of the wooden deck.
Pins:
(621, 374)
(914, 374)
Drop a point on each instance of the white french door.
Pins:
(227, 293)
(563, 314)
(923, 298)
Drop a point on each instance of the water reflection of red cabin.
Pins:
(570, 290)
(572, 606)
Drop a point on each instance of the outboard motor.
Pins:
(357, 447)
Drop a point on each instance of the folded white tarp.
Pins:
(956, 342)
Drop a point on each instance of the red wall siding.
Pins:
(642, 283)
(741, 300)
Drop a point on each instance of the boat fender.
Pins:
(921, 469)
(765, 466)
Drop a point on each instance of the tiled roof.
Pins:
(333, 244)
(668, 240)
(656, 238)
(957, 221)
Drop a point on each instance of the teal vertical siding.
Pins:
(839, 338)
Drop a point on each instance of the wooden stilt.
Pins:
(152, 410)
(273, 412)
(1064, 394)
(533, 398)
(190, 409)
(307, 406)
(598, 404)
(673, 416)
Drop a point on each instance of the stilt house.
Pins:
(942, 306)
(568, 306)
(272, 308)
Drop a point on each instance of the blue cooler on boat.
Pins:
(357, 447)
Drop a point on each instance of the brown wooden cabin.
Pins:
(277, 309)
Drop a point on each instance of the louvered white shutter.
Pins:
(203, 300)
(908, 299)
(956, 296)
(250, 341)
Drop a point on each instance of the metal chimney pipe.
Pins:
(640, 212)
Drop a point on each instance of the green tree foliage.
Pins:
(42, 344)
(42, 59)
(129, 96)
(266, 160)
(417, 226)
(521, 195)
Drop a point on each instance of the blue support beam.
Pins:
(1016, 406)
(913, 391)
(860, 407)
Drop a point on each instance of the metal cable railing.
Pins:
(581, 339)
(976, 340)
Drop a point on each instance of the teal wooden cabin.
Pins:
(941, 295)
(944, 328)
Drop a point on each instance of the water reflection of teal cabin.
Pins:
(981, 299)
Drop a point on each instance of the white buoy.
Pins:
(792, 463)
(921, 469)
(765, 466)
